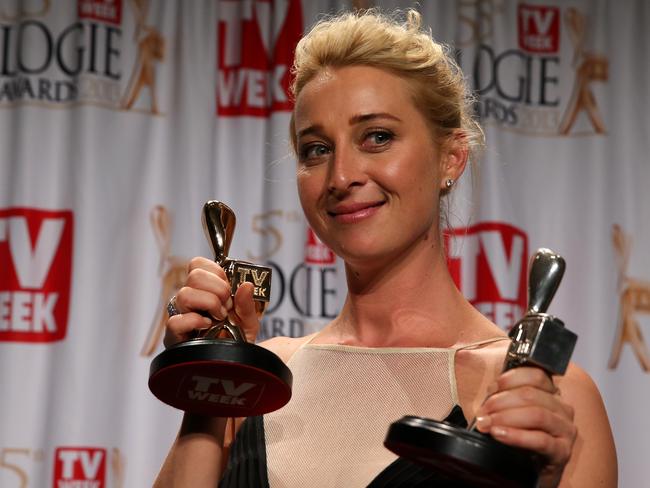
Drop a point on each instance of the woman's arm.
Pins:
(196, 456)
(199, 451)
(593, 460)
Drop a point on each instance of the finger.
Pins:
(244, 313)
(556, 450)
(195, 300)
(533, 418)
(524, 376)
(524, 396)
(209, 281)
(181, 327)
(207, 265)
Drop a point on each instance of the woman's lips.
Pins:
(353, 212)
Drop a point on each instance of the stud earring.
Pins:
(449, 183)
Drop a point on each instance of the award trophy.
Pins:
(216, 376)
(467, 455)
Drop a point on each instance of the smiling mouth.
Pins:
(354, 212)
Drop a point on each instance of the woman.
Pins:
(382, 131)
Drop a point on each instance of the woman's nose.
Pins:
(346, 170)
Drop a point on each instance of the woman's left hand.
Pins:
(526, 410)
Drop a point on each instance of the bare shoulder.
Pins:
(577, 382)
(579, 390)
(593, 461)
(284, 347)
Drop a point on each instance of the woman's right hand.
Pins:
(205, 298)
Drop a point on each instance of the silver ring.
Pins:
(171, 307)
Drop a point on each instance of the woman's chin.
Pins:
(362, 253)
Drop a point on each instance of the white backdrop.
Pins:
(119, 118)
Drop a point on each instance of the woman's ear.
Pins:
(455, 153)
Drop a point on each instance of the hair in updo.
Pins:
(370, 38)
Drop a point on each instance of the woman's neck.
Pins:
(407, 301)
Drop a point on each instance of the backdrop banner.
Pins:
(120, 118)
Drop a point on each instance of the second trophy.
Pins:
(223, 376)
(466, 455)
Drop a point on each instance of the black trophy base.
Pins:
(462, 455)
(220, 378)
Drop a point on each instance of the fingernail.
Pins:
(498, 432)
(483, 423)
(229, 303)
(207, 320)
(223, 312)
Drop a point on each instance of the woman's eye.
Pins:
(313, 151)
(377, 139)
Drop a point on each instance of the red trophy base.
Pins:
(220, 378)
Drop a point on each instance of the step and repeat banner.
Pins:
(120, 118)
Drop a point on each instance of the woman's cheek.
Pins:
(308, 200)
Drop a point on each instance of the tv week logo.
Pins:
(538, 28)
(109, 11)
(256, 42)
(79, 467)
(488, 262)
(316, 252)
(218, 390)
(36, 264)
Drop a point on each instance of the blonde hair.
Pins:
(373, 39)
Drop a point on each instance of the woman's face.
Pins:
(369, 173)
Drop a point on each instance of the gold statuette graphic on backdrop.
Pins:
(634, 300)
(223, 376)
(151, 50)
(589, 67)
(466, 455)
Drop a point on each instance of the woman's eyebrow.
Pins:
(312, 129)
(357, 119)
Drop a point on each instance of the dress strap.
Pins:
(305, 340)
(452, 360)
(483, 342)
